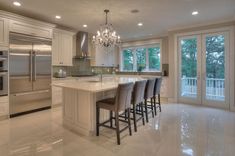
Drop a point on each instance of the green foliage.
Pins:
(189, 57)
(154, 58)
(141, 59)
(128, 60)
(215, 51)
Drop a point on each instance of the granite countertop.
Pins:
(97, 86)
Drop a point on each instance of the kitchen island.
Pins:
(79, 101)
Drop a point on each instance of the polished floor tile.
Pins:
(179, 130)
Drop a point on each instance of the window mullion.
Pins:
(135, 60)
(147, 60)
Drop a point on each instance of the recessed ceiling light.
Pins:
(84, 25)
(58, 17)
(17, 3)
(140, 24)
(194, 13)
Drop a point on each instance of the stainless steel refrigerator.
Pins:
(29, 74)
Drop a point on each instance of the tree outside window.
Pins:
(128, 60)
(144, 58)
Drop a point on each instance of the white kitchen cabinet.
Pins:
(106, 57)
(56, 96)
(62, 48)
(164, 87)
(4, 32)
(30, 29)
(4, 106)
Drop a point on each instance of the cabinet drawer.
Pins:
(4, 105)
(4, 99)
(24, 28)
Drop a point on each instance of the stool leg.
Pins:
(111, 118)
(134, 117)
(155, 105)
(117, 127)
(151, 101)
(146, 110)
(159, 102)
(97, 120)
(129, 121)
(142, 112)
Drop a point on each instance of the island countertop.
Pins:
(94, 85)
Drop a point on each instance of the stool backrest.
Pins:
(157, 87)
(138, 91)
(149, 88)
(123, 96)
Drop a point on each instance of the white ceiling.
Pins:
(158, 16)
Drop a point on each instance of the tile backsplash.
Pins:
(83, 67)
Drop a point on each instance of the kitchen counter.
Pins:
(80, 97)
(96, 85)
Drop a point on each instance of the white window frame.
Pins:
(231, 31)
(140, 44)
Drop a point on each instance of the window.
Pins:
(143, 58)
(128, 60)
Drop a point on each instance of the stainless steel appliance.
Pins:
(30, 74)
(3, 73)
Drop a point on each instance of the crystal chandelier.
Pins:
(106, 36)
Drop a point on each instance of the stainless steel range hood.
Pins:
(82, 46)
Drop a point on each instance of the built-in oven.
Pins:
(3, 73)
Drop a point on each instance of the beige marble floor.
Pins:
(178, 130)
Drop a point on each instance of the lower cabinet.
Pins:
(56, 96)
(164, 87)
(4, 106)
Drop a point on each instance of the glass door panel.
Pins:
(214, 69)
(189, 69)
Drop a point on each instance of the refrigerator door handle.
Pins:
(31, 66)
(35, 66)
(30, 93)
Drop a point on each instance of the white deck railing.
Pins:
(214, 87)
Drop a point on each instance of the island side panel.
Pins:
(79, 110)
(77, 115)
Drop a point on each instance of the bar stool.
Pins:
(157, 90)
(121, 102)
(137, 101)
(148, 95)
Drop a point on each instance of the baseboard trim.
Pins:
(4, 117)
(30, 111)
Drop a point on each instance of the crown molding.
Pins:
(202, 25)
(13, 16)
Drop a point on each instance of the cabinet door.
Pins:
(28, 29)
(66, 49)
(56, 50)
(100, 59)
(4, 32)
(57, 96)
(4, 106)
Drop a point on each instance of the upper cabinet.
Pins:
(107, 57)
(29, 29)
(62, 47)
(4, 32)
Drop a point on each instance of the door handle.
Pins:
(31, 67)
(35, 66)
(30, 93)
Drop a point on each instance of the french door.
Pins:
(203, 69)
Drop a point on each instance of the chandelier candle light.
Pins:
(106, 36)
